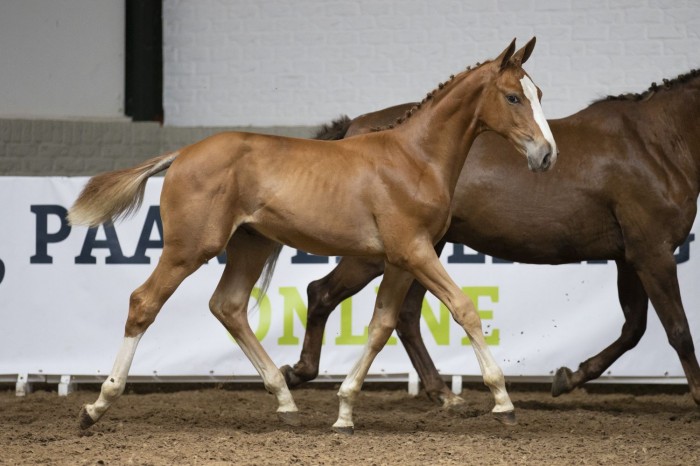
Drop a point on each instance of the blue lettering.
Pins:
(458, 256)
(684, 250)
(302, 257)
(43, 237)
(145, 241)
(112, 243)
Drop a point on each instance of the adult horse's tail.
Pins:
(115, 194)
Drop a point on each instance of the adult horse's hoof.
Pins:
(507, 418)
(291, 418)
(290, 377)
(347, 430)
(562, 382)
(85, 419)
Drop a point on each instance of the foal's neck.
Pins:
(444, 128)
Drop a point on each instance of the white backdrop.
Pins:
(271, 62)
(65, 317)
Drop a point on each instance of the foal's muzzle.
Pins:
(541, 157)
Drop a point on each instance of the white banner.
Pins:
(64, 296)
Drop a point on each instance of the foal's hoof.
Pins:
(346, 430)
(291, 418)
(562, 382)
(85, 419)
(507, 418)
(451, 402)
(290, 377)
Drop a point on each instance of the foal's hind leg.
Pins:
(247, 254)
(389, 297)
(145, 303)
(634, 302)
(324, 295)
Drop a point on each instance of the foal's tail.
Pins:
(115, 194)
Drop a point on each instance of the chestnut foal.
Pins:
(385, 194)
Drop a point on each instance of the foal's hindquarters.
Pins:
(187, 245)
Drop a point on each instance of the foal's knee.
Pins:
(142, 313)
(380, 331)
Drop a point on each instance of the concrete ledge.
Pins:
(75, 148)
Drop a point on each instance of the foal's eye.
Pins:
(512, 99)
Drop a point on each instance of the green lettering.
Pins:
(475, 292)
(292, 304)
(440, 329)
(265, 313)
(346, 337)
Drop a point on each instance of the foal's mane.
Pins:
(654, 88)
(428, 97)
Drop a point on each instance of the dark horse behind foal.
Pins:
(626, 191)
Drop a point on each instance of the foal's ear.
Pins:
(524, 53)
(503, 58)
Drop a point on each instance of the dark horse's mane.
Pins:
(654, 88)
(337, 128)
(334, 130)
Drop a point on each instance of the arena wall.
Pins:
(73, 148)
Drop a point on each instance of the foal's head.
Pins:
(511, 107)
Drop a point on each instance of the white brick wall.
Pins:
(303, 62)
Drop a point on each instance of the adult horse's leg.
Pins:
(324, 295)
(391, 293)
(408, 329)
(634, 302)
(145, 303)
(246, 257)
(426, 267)
(659, 277)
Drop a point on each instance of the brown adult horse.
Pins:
(383, 194)
(627, 191)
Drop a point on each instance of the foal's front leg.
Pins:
(389, 298)
(426, 266)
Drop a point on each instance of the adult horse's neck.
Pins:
(668, 118)
(679, 116)
(443, 128)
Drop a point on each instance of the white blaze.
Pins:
(530, 91)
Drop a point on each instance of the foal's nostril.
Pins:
(547, 159)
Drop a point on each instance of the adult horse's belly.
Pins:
(543, 223)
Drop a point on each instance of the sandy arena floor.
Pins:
(239, 426)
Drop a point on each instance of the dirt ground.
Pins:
(233, 425)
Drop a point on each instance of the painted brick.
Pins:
(347, 50)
